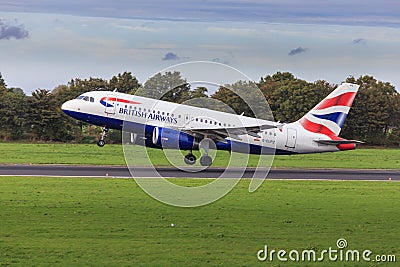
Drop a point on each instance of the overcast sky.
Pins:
(44, 43)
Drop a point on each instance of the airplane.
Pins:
(165, 125)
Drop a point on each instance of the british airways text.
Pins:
(147, 115)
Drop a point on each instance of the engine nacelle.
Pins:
(169, 138)
(138, 139)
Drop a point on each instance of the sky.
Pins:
(45, 43)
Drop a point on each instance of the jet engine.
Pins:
(173, 139)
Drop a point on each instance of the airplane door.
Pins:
(111, 103)
(291, 138)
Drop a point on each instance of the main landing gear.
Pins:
(190, 159)
(102, 141)
(205, 159)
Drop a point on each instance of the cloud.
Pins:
(137, 28)
(297, 51)
(359, 41)
(170, 56)
(8, 31)
(357, 12)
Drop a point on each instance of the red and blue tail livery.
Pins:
(327, 118)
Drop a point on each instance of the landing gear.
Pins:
(190, 159)
(102, 141)
(205, 160)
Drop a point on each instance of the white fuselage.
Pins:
(113, 110)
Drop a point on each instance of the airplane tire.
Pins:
(101, 143)
(205, 160)
(190, 159)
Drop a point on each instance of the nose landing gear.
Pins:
(103, 136)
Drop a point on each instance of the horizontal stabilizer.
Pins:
(337, 142)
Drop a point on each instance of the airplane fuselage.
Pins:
(149, 120)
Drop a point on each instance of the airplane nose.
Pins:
(67, 106)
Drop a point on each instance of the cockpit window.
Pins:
(85, 98)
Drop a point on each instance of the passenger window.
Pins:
(91, 99)
(86, 98)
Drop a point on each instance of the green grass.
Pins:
(111, 222)
(113, 155)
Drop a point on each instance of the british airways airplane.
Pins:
(166, 125)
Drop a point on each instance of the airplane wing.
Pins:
(220, 133)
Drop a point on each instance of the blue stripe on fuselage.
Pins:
(147, 131)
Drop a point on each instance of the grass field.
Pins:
(111, 222)
(113, 155)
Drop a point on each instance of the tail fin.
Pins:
(329, 115)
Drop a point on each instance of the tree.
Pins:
(47, 123)
(13, 113)
(290, 98)
(244, 97)
(375, 113)
(3, 84)
(124, 83)
(198, 92)
(169, 86)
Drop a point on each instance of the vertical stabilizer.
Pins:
(329, 115)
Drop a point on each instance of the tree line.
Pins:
(374, 117)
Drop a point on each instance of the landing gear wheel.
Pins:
(190, 159)
(205, 160)
(101, 143)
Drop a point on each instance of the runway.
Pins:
(123, 172)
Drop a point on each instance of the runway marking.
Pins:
(200, 178)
